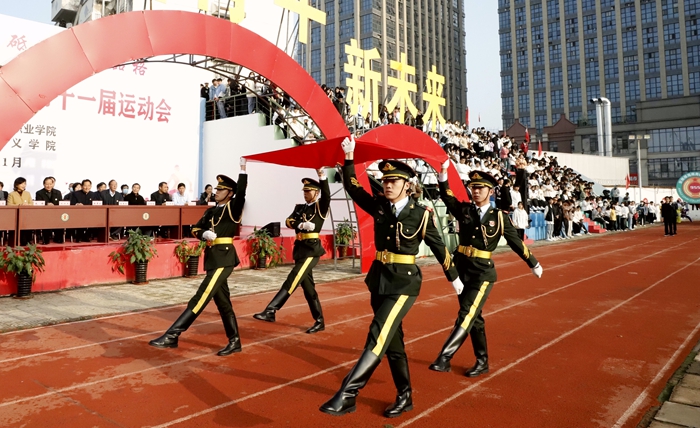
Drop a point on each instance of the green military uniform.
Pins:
(219, 260)
(478, 238)
(306, 253)
(394, 282)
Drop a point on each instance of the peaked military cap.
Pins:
(482, 179)
(225, 183)
(393, 169)
(310, 184)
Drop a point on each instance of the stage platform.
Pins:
(87, 263)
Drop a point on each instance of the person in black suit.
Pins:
(218, 226)
(134, 198)
(206, 196)
(50, 196)
(161, 196)
(307, 220)
(84, 197)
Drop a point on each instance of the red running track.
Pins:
(591, 344)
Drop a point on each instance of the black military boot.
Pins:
(234, 340)
(344, 400)
(402, 380)
(317, 313)
(482, 359)
(454, 341)
(275, 305)
(169, 339)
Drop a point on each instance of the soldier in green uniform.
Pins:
(307, 220)
(218, 226)
(394, 280)
(480, 229)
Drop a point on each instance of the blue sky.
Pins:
(483, 63)
(33, 10)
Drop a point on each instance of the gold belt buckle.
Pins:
(385, 256)
(470, 251)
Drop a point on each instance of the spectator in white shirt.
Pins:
(180, 198)
(520, 220)
(515, 196)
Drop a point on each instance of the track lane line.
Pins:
(634, 407)
(541, 348)
(347, 363)
(364, 292)
(241, 296)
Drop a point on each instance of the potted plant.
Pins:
(188, 254)
(264, 251)
(345, 234)
(138, 250)
(24, 262)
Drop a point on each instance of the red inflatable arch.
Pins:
(35, 77)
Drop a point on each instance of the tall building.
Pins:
(429, 32)
(558, 54)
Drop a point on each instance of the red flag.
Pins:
(539, 149)
(527, 136)
(627, 181)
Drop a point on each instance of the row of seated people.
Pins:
(81, 194)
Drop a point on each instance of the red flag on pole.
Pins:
(627, 181)
(539, 149)
(527, 136)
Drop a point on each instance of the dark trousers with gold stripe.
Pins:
(214, 286)
(302, 275)
(469, 317)
(386, 334)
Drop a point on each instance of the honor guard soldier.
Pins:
(394, 280)
(218, 226)
(480, 229)
(307, 220)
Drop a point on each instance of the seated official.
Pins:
(21, 197)
(134, 198)
(101, 187)
(206, 196)
(50, 196)
(111, 196)
(161, 196)
(84, 197)
(180, 198)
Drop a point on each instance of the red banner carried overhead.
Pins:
(385, 142)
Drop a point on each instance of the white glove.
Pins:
(243, 161)
(458, 286)
(307, 225)
(445, 164)
(348, 144)
(209, 235)
(537, 271)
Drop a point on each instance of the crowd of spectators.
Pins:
(527, 181)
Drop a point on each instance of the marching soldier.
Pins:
(480, 229)
(307, 220)
(218, 226)
(394, 280)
